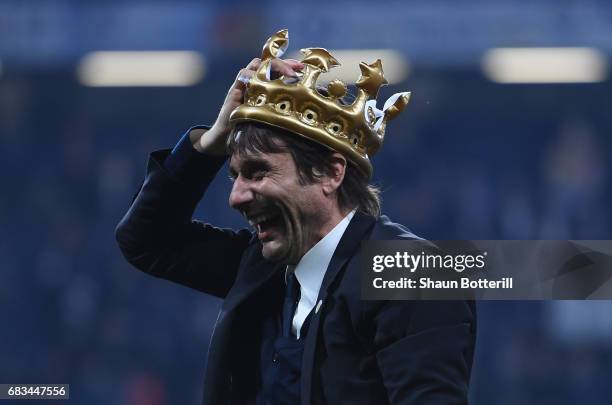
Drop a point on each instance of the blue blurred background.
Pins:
(470, 158)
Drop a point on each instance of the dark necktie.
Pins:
(292, 297)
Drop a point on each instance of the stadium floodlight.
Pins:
(141, 68)
(545, 65)
(395, 64)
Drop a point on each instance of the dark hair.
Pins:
(311, 159)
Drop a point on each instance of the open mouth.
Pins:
(266, 224)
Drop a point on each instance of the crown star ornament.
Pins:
(356, 130)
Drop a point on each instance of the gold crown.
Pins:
(356, 130)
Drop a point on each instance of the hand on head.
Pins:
(213, 141)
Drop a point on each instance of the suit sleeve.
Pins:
(158, 236)
(424, 350)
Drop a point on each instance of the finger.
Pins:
(280, 67)
(254, 64)
(294, 64)
(244, 75)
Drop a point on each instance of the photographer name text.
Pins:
(434, 264)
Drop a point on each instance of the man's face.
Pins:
(287, 215)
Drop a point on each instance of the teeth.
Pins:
(255, 221)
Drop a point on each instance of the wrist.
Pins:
(195, 135)
(211, 142)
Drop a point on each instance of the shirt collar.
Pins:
(311, 268)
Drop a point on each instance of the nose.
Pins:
(241, 193)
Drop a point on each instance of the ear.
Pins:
(332, 180)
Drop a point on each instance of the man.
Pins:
(293, 328)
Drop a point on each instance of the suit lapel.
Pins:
(347, 247)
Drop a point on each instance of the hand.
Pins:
(212, 142)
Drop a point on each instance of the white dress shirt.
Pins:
(311, 269)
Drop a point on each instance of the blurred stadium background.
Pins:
(498, 142)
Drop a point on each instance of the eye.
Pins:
(354, 140)
(258, 175)
(261, 99)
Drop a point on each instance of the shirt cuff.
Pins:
(190, 166)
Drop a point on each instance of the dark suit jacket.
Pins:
(356, 352)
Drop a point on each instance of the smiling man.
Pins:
(293, 192)
(293, 328)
